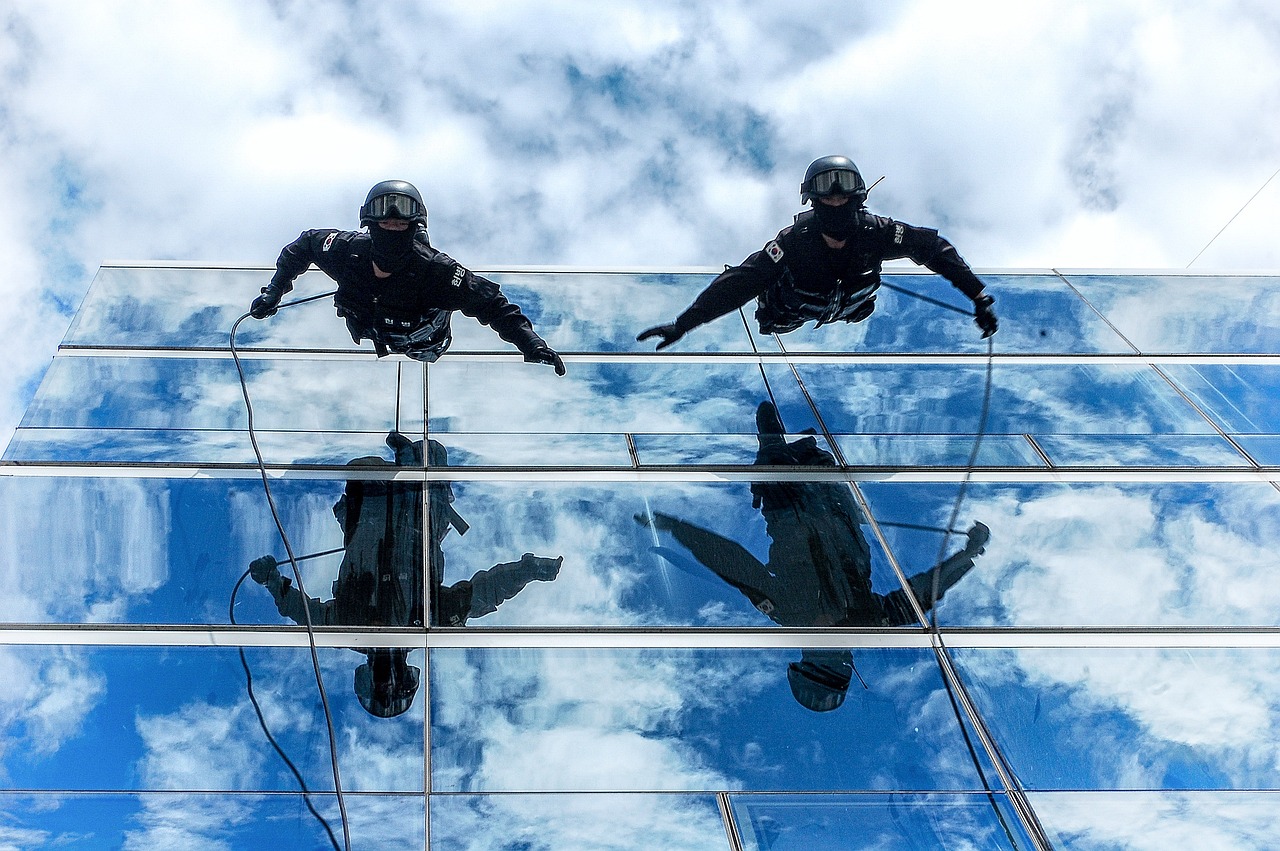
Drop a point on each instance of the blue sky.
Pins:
(1059, 134)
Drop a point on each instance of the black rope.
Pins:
(262, 722)
(1236, 216)
(964, 486)
(942, 653)
(297, 574)
(944, 305)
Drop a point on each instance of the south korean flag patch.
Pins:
(328, 241)
(774, 251)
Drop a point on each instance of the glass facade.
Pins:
(858, 586)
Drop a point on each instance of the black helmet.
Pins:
(833, 176)
(820, 680)
(386, 683)
(393, 199)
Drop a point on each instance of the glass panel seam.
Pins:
(1100, 314)
(657, 637)
(730, 823)
(654, 473)
(1205, 416)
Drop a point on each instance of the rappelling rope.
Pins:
(262, 722)
(297, 574)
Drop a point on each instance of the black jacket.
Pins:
(797, 277)
(409, 311)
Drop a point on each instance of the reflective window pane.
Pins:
(917, 450)
(890, 822)
(190, 446)
(1189, 313)
(605, 312)
(611, 398)
(1148, 821)
(1038, 313)
(1106, 554)
(134, 550)
(1131, 719)
(1136, 450)
(677, 554)
(1239, 397)
(156, 307)
(1264, 449)
(181, 718)
(188, 393)
(208, 820)
(1025, 399)
(616, 822)
(692, 720)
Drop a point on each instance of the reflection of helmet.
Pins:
(393, 199)
(819, 681)
(386, 684)
(833, 176)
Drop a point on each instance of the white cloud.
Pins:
(1054, 134)
(530, 710)
(1153, 821)
(130, 520)
(49, 693)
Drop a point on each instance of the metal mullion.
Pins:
(1100, 314)
(730, 823)
(1008, 778)
(1205, 416)
(1040, 453)
(607, 638)
(655, 473)
(893, 559)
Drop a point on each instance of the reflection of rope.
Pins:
(956, 692)
(297, 574)
(964, 488)
(262, 722)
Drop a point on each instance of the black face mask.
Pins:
(837, 222)
(392, 248)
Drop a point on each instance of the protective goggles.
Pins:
(393, 205)
(822, 675)
(835, 182)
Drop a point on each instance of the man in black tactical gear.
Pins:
(819, 569)
(380, 580)
(394, 288)
(826, 266)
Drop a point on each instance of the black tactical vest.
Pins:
(817, 284)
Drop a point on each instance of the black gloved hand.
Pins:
(984, 316)
(978, 535)
(542, 354)
(263, 570)
(668, 333)
(265, 305)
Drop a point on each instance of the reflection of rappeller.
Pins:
(826, 266)
(394, 288)
(819, 570)
(380, 581)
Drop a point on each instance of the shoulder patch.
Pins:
(328, 241)
(458, 273)
(898, 233)
(774, 250)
